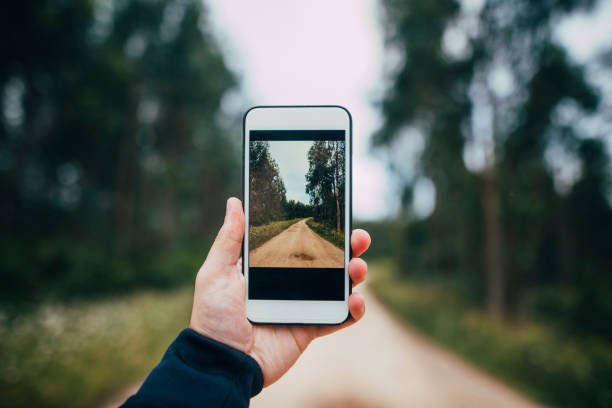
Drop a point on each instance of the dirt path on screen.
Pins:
(297, 246)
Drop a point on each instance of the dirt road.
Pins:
(297, 246)
(380, 363)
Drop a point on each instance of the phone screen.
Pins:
(297, 215)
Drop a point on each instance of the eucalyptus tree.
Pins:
(325, 181)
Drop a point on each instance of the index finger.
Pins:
(360, 242)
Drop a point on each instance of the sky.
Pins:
(332, 52)
(313, 52)
(292, 160)
(587, 33)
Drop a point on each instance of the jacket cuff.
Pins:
(205, 354)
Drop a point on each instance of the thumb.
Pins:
(225, 251)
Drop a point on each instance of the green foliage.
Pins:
(325, 182)
(573, 309)
(330, 234)
(113, 152)
(553, 367)
(259, 235)
(80, 353)
(60, 270)
(386, 238)
(296, 209)
(267, 194)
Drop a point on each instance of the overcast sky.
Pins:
(313, 52)
(332, 52)
(292, 160)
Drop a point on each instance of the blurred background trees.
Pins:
(113, 146)
(488, 112)
(117, 150)
(113, 149)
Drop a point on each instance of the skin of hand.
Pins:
(219, 302)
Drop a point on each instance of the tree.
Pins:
(325, 181)
(267, 199)
(430, 98)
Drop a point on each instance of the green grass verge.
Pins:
(79, 354)
(333, 236)
(262, 233)
(555, 369)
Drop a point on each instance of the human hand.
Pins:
(219, 302)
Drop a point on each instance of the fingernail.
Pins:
(230, 208)
(227, 210)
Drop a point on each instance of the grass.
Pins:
(81, 353)
(552, 368)
(333, 236)
(261, 234)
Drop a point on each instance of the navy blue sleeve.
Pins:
(199, 372)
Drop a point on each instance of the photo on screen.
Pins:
(296, 203)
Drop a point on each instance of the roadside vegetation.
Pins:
(330, 234)
(553, 367)
(262, 233)
(81, 353)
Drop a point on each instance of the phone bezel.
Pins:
(306, 117)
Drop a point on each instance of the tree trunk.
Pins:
(493, 245)
(336, 192)
(125, 190)
(565, 249)
(494, 263)
(168, 215)
(337, 213)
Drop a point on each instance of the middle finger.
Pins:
(358, 268)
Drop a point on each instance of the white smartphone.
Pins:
(297, 202)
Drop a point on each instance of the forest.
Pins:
(513, 135)
(324, 183)
(113, 148)
(523, 241)
(120, 139)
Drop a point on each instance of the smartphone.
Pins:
(297, 199)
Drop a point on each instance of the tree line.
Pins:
(497, 118)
